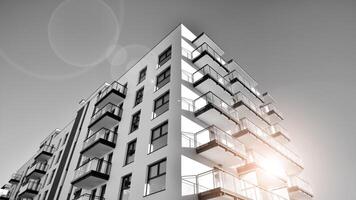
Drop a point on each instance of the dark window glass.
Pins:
(130, 153)
(161, 104)
(135, 121)
(163, 78)
(165, 56)
(125, 187)
(139, 96)
(156, 177)
(142, 75)
(159, 137)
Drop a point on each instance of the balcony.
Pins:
(279, 133)
(244, 82)
(259, 141)
(99, 143)
(5, 196)
(15, 179)
(114, 93)
(207, 79)
(30, 189)
(219, 185)
(204, 54)
(220, 147)
(89, 197)
(45, 153)
(213, 110)
(248, 109)
(91, 174)
(37, 171)
(299, 189)
(106, 117)
(269, 175)
(274, 114)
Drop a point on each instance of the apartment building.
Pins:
(182, 123)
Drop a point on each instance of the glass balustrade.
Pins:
(103, 133)
(89, 197)
(108, 108)
(94, 164)
(301, 183)
(250, 86)
(205, 47)
(113, 86)
(239, 96)
(208, 70)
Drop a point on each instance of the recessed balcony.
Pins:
(106, 117)
(15, 179)
(274, 114)
(269, 175)
(30, 189)
(248, 109)
(37, 170)
(113, 93)
(220, 147)
(99, 143)
(45, 153)
(299, 189)
(213, 110)
(89, 197)
(91, 174)
(219, 185)
(204, 54)
(208, 79)
(254, 138)
(279, 133)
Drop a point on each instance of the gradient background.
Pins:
(302, 51)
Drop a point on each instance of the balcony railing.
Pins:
(205, 47)
(239, 96)
(94, 164)
(213, 133)
(15, 178)
(246, 124)
(104, 134)
(271, 107)
(250, 86)
(113, 86)
(300, 183)
(216, 178)
(108, 108)
(44, 153)
(30, 189)
(211, 98)
(277, 128)
(39, 166)
(89, 197)
(207, 70)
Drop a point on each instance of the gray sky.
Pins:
(302, 51)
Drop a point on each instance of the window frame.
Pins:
(166, 56)
(161, 134)
(122, 184)
(148, 178)
(128, 149)
(142, 89)
(165, 77)
(142, 71)
(162, 98)
(138, 113)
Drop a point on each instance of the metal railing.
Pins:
(234, 74)
(269, 107)
(217, 178)
(103, 133)
(47, 148)
(247, 124)
(89, 197)
(32, 185)
(38, 166)
(301, 183)
(94, 164)
(273, 129)
(214, 133)
(108, 108)
(205, 47)
(239, 96)
(206, 69)
(16, 176)
(113, 86)
(210, 97)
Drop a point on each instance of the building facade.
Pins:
(182, 123)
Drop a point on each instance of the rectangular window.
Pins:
(125, 187)
(142, 75)
(165, 56)
(135, 121)
(161, 104)
(139, 96)
(159, 136)
(102, 192)
(156, 177)
(163, 78)
(51, 177)
(59, 156)
(130, 152)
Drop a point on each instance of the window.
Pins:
(77, 193)
(102, 192)
(51, 177)
(135, 121)
(161, 104)
(45, 180)
(163, 78)
(159, 137)
(165, 56)
(59, 156)
(156, 177)
(125, 187)
(130, 153)
(142, 75)
(139, 96)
